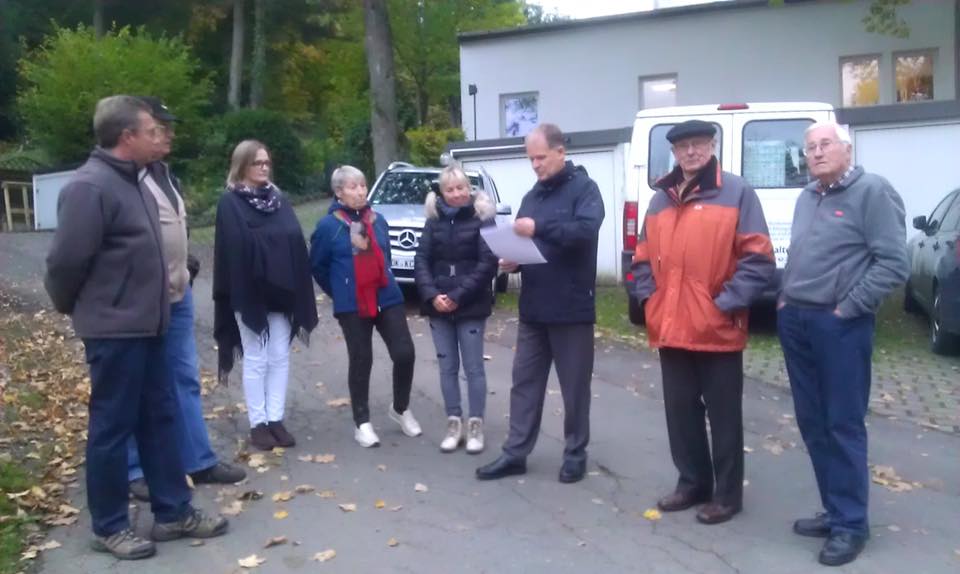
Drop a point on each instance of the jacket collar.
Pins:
(556, 180)
(709, 179)
(846, 180)
(127, 169)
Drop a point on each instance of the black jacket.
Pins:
(453, 259)
(567, 210)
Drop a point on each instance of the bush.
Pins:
(426, 144)
(72, 69)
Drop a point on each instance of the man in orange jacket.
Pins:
(702, 257)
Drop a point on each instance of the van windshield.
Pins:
(660, 161)
(397, 187)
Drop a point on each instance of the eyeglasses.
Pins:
(692, 144)
(262, 163)
(824, 146)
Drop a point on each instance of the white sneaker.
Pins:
(408, 424)
(365, 436)
(454, 435)
(474, 435)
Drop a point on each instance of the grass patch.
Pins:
(12, 479)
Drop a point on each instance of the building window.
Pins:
(519, 113)
(660, 160)
(913, 73)
(658, 91)
(773, 153)
(860, 81)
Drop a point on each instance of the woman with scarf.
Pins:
(350, 257)
(454, 270)
(262, 293)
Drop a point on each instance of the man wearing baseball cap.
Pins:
(193, 442)
(703, 256)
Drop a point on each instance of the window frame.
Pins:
(934, 54)
(503, 112)
(743, 142)
(857, 57)
(652, 78)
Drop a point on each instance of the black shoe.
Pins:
(572, 471)
(280, 433)
(503, 466)
(140, 490)
(816, 527)
(842, 548)
(220, 473)
(681, 500)
(262, 438)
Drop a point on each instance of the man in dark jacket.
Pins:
(702, 257)
(847, 252)
(193, 442)
(562, 214)
(106, 270)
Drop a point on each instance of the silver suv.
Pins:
(398, 195)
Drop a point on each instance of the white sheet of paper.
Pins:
(506, 244)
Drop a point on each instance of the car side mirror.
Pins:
(920, 222)
(504, 209)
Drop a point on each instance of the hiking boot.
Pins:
(281, 434)
(139, 489)
(454, 435)
(262, 438)
(408, 424)
(474, 435)
(194, 524)
(220, 473)
(124, 545)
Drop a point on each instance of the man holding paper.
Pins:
(562, 215)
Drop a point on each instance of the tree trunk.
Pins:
(383, 90)
(98, 26)
(258, 71)
(236, 56)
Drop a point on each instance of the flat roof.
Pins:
(717, 6)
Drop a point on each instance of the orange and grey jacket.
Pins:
(701, 261)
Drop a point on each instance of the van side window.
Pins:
(773, 153)
(660, 160)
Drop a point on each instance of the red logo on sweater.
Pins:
(838, 213)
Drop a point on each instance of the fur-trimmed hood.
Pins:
(483, 207)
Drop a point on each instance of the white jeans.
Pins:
(266, 366)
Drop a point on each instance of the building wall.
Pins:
(587, 77)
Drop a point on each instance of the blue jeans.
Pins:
(455, 339)
(192, 441)
(131, 395)
(828, 362)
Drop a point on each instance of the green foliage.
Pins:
(71, 70)
(882, 18)
(426, 144)
(12, 479)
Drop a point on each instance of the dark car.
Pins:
(934, 284)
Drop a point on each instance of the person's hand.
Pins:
(524, 227)
(508, 266)
(440, 303)
(451, 304)
(836, 312)
(781, 305)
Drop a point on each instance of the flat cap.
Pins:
(158, 109)
(690, 129)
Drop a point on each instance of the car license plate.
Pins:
(402, 263)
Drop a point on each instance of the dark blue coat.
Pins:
(331, 260)
(568, 211)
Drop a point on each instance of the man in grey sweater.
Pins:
(107, 271)
(847, 252)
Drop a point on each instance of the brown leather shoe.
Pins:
(715, 513)
(262, 438)
(680, 500)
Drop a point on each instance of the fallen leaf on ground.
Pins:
(251, 561)
(341, 402)
(49, 545)
(196, 543)
(232, 509)
(251, 495)
(420, 487)
(392, 542)
(396, 508)
(324, 458)
(257, 460)
(893, 528)
(379, 504)
(596, 500)
(275, 541)
(282, 496)
(278, 450)
(305, 458)
(652, 514)
(887, 477)
(281, 514)
(382, 467)
(325, 555)
(304, 489)
(747, 449)
(327, 494)
(348, 507)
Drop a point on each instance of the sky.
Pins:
(591, 8)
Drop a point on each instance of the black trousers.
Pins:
(698, 384)
(570, 349)
(391, 323)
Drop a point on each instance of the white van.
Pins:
(763, 143)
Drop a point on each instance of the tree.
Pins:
(236, 55)
(66, 75)
(383, 92)
(98, 26)
(259, 69)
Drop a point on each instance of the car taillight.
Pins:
(630, 215)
